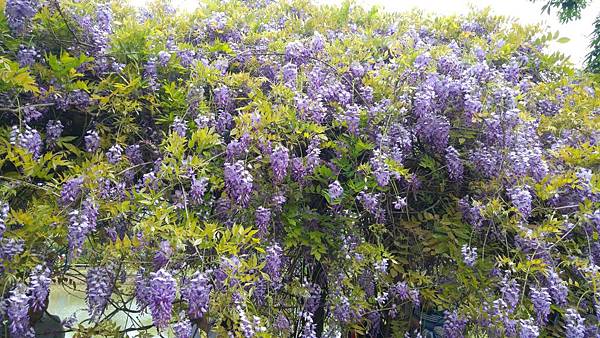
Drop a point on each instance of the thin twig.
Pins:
(62, 15)
(18, 109)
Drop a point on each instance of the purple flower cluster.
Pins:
(4, 209)
(274, 264)
(528, 329)
(30, 140)
(162, 294)
(27, 56)
(335, 190)
(541, 303)
(196, 293)
(380, 168)
(54, 129)
(183, 329)
(557, 288)
(18, 313)
(10, 247)
(370, 202)
(19, 14)
(179, 126)
(521, 199)
(469, 255)
(114, 154)
(280, 159)
(433, 130)
(71, 190)
(510, 291)
(238, 182)
(575, 324)
(141, 289)
(100, 281)
(92, 141)
(263, 219)
(454, 326)
(81, 224)
(39, 287)
(162, 255)
(455, 166)
(198, 189)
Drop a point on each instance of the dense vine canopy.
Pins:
(281, 169)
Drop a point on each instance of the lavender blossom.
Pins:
(81, 223)
(510, 291)
(54, 129)
(455, 166)
(30, 140)
(161, 258)
(18, 313)
(99, 288)
(198, 189)
(399, 203)
(183, 329)
(114, 154)
(133, 153)
(335, 190)
(380, 168)
(238, 182)
(4, 209)
(557, 288)
(528, 329)
(469, 255)
(352, 118)
(92, 141)
(27, 56)
(162, 295)
(274, 264)
(521, 198)
(281, 322)
(31, 113)
(10, 247)
(142, 290)
(575, 324)
(39, 287)
(163, 58)
(280, 159)
(71, 190)
(541, 303)
(19, 14)
(179, 126)
(433, 130)
(263, 218)
(290, 74)
(196, 293)
(370, 202)
(454, 326)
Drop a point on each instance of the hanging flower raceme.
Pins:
(196, 292)
(18, 313)
(4, 209)
(39, 287)
(280, 159)
(162, 294)
(100, 281)
(238, 182)
(19, 14)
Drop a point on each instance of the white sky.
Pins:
(525, 11)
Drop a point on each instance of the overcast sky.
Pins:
(525, 11)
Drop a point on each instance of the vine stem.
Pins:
(62, 15)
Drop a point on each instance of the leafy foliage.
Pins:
(261, 168)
